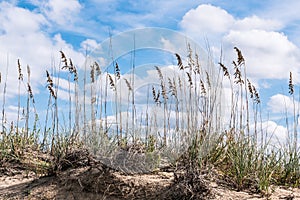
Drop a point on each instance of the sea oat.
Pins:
(191, 62)
(159, 73)
(64, 60)
(241, 59)
(172, 87)
(71, 66)
(197, 66)
(118, 74)
(128, 84)
(52, 92)
(256, 95)
(92, 73)
(208, 79)
(235, 65)
(30, 92)
(153, 93)
(291, 85)
(163, 91)
(190, 79)
(111, 82)
(20, 71)
(225, 70)
(250, 89)
(49, 80)
(179, 61)
(50, 85)
(203, 90)
(155, 96)
(238, 76)
(98, 69)
(28, 70)
(75, 74)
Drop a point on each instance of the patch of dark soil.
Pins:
(74, 159)
(189, 183)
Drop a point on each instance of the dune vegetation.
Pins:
(190, 126)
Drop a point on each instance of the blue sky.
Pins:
(267, 32)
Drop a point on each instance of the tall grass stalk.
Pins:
(295, 115)
(27, 106)
(4, 99)
(93, 101)
(133, 110)
(127, 111)
(99, 99)
(20, 79)
(84, 101)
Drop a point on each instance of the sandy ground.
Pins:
(92, 183)
(96, 180)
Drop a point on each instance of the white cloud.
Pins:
(290, 17)
(61, 12)
(255, 22)
(273, 133)
(90, 44)
(282, 104)
(269, 54)
(206, 19)
(65, 95)
(64, 83)
(23, 20)
(23, 37)
(167, 44)
(283, 11)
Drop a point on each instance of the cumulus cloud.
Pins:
(167, 44)
(206, 19)
(23, 20)
(268, 52)
(60, 12)
(23, 37)
(254, 22)
(282, 104)
(272, 132)
(90, 44)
